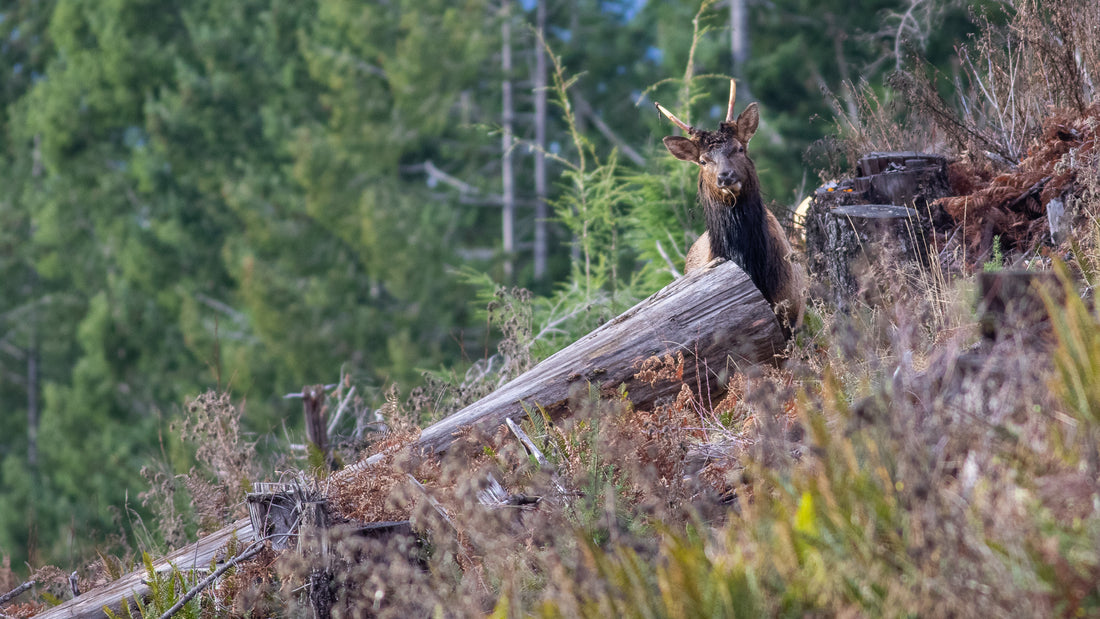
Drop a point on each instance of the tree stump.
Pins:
(882, 217)
(273, 511)
(313, 541)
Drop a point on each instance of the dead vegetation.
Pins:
(1037, 202)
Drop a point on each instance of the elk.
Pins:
(739, 227)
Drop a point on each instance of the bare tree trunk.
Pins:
(839, 35)
(313, 405)
(541, 214)
(508, 180)
(739, 36)
(32, 397)
(32, 345)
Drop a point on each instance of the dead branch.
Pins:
(10, 595)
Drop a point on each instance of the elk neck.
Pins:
(738, 229)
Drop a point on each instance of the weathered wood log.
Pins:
(715, 317)
(275, 512)
(882, 216)
(195, 556)
(16, 592)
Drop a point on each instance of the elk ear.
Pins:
(747, 122)
(682, 148)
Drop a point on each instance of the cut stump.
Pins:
(883, 216)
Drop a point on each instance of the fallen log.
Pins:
(715, 317)
(193, 557)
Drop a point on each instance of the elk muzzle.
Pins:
(729, 181)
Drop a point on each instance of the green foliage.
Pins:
(858, 486)
(663, 218)
(996, 260)
(686, 583)
(182, 204)
(317, 461)
(166, 588)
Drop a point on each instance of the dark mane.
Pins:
(738, 231)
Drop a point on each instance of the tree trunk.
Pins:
(313, 408)
(32, 399)
(739, 36)
(33, 349)
(715, 318)
(193, 557)
(541, 187)
(508, 189)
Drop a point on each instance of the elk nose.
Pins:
(726, 178)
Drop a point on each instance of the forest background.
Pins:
(256, 195)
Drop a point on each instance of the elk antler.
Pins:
(733, 96)
(679, 123)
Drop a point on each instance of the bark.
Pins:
(195, 556)
(32, 396)
(33, 350)
(739, 36)
(313, 408)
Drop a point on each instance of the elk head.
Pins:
(726, 172)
